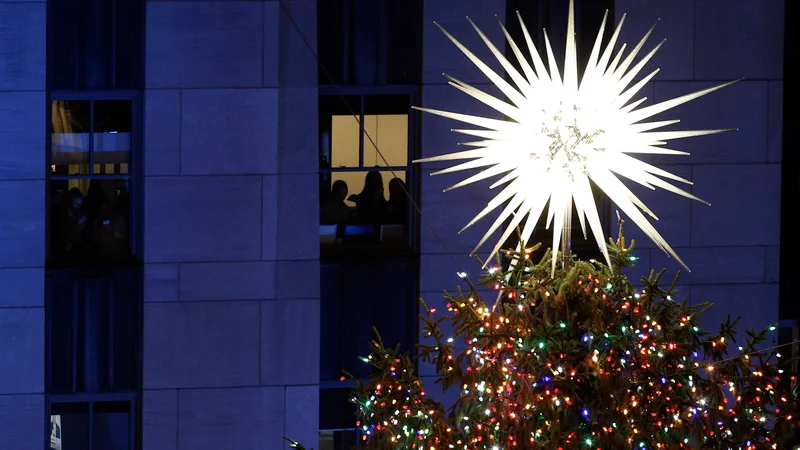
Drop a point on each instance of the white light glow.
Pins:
(560, 133)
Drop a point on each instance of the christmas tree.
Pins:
(578, 358)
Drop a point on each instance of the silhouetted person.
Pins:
(371, 205)
(398, 202)
(335, 211)
(104, 233)
(69, 221)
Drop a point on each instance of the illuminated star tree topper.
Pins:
(561, 133)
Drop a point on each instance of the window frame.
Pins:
(134, 175)
(411, 170)
(355, 430)
(133, 399)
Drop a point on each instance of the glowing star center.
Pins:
(570, 146)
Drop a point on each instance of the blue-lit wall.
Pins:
(231, 315)
(22, 224)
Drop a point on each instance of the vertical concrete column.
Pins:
(211, 157)
(290, 342)
(22, 226)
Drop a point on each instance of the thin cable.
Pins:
(461, 273)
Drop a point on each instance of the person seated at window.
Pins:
(334, 210)
(105, 233)
(69, 220)
(371, 205)
(398, 202)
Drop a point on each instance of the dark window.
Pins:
(369, 42)
(552, 15)
(92, 425)
(366, 177)
(790, 165)
(93, 331)
(93, 163)
(345, 439)
(360, 295)
(96, 44)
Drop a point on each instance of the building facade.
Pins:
(217, 305)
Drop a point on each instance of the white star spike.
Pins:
(560, 133)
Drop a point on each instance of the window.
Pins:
(338, 439)
(96, 45)
(92, 170)
(337, 418)
(95, 65)
(93, 331)
(359, 295)
(369, 42)
(365, 169)
(552, 15)
(93, 425)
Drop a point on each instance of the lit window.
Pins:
(364, 168)
(90, 180)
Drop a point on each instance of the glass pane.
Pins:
(69, 426)
(344, 141)
(337, 106)
(362, 295)
(337, 440)
(330, 42)
(111, 426)
(404, 42)
(65, 59)
(390, 133)
(93, 332)
(112, 135)
(124, 321)
(129, 44)
(62, 328)
(69, 149)
(89, 219)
